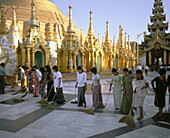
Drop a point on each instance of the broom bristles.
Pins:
(128, 119)
(100, 105)
(88, 111)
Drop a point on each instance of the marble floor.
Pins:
(28, 120)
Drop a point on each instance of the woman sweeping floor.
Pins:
(36, 84)
(128, 92)
(96, 88)
(50, 87)
(117, 89)
(82, 86)
(160, 90)
(58, 86)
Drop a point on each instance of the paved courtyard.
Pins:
(28, 120)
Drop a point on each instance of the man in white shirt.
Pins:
(58, 86)
(139, 67)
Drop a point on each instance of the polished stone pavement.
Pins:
(28, 120)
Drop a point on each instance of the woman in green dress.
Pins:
(127, 91)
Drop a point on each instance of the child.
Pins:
(82, 86)
(140, 90)
(117, 89)
(43, 83)
(58, 86)
(160, 90)
(96, 88)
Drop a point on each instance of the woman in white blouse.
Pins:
(82, 86)
(96, 88)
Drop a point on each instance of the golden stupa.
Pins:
(45, 9)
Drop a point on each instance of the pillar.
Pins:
(165, 57)
(74, 61)
(28, 57)
(149, 56)
(82, 62)
(33, 58)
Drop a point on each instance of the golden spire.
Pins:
(129, 45)
(14, 20)
(81, 37)
(107, 37)
(70, 26)
(33, 20)
(91, 30)
(125, 43)
(103, 40)
(50, 32)
(114, 43)
(120, 39)
(3, 26)
(98, 39)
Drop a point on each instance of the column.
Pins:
(165, 56)
(74, 62)
(82, 62)
(149, 56)
(28, 57)
(33, 58)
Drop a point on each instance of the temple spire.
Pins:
(114, 43)
(120, 39)
(129, 45)
(3, 25)
(125, 43)
(14, 20)
(81, 37)
(107, 37)
(98, 39)
(91, 30)
(33, 23)
(50, 32)
(70, 26)
(158, 19)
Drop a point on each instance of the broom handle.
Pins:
(55, 95)
(107, 98)
(49, 92)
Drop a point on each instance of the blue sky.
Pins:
(133, 15)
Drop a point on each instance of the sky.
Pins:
(133, 15)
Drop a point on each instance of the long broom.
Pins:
(22, 90)
(49, 105)
(74, 102)
(165, 117)
(43, 101)
(128, 119)
(14, 85)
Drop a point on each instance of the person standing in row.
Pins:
(116, 80)
(29, 80)
(38, 72)
(43, 83)
(36, 83)
(160, 90)
(140, 90)
(50, 82)
(128, 92)
(96, 88)
(82, 86)
(2, 78)
(23, 77)
(146, 70)
(168, 85)
(58, 86)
